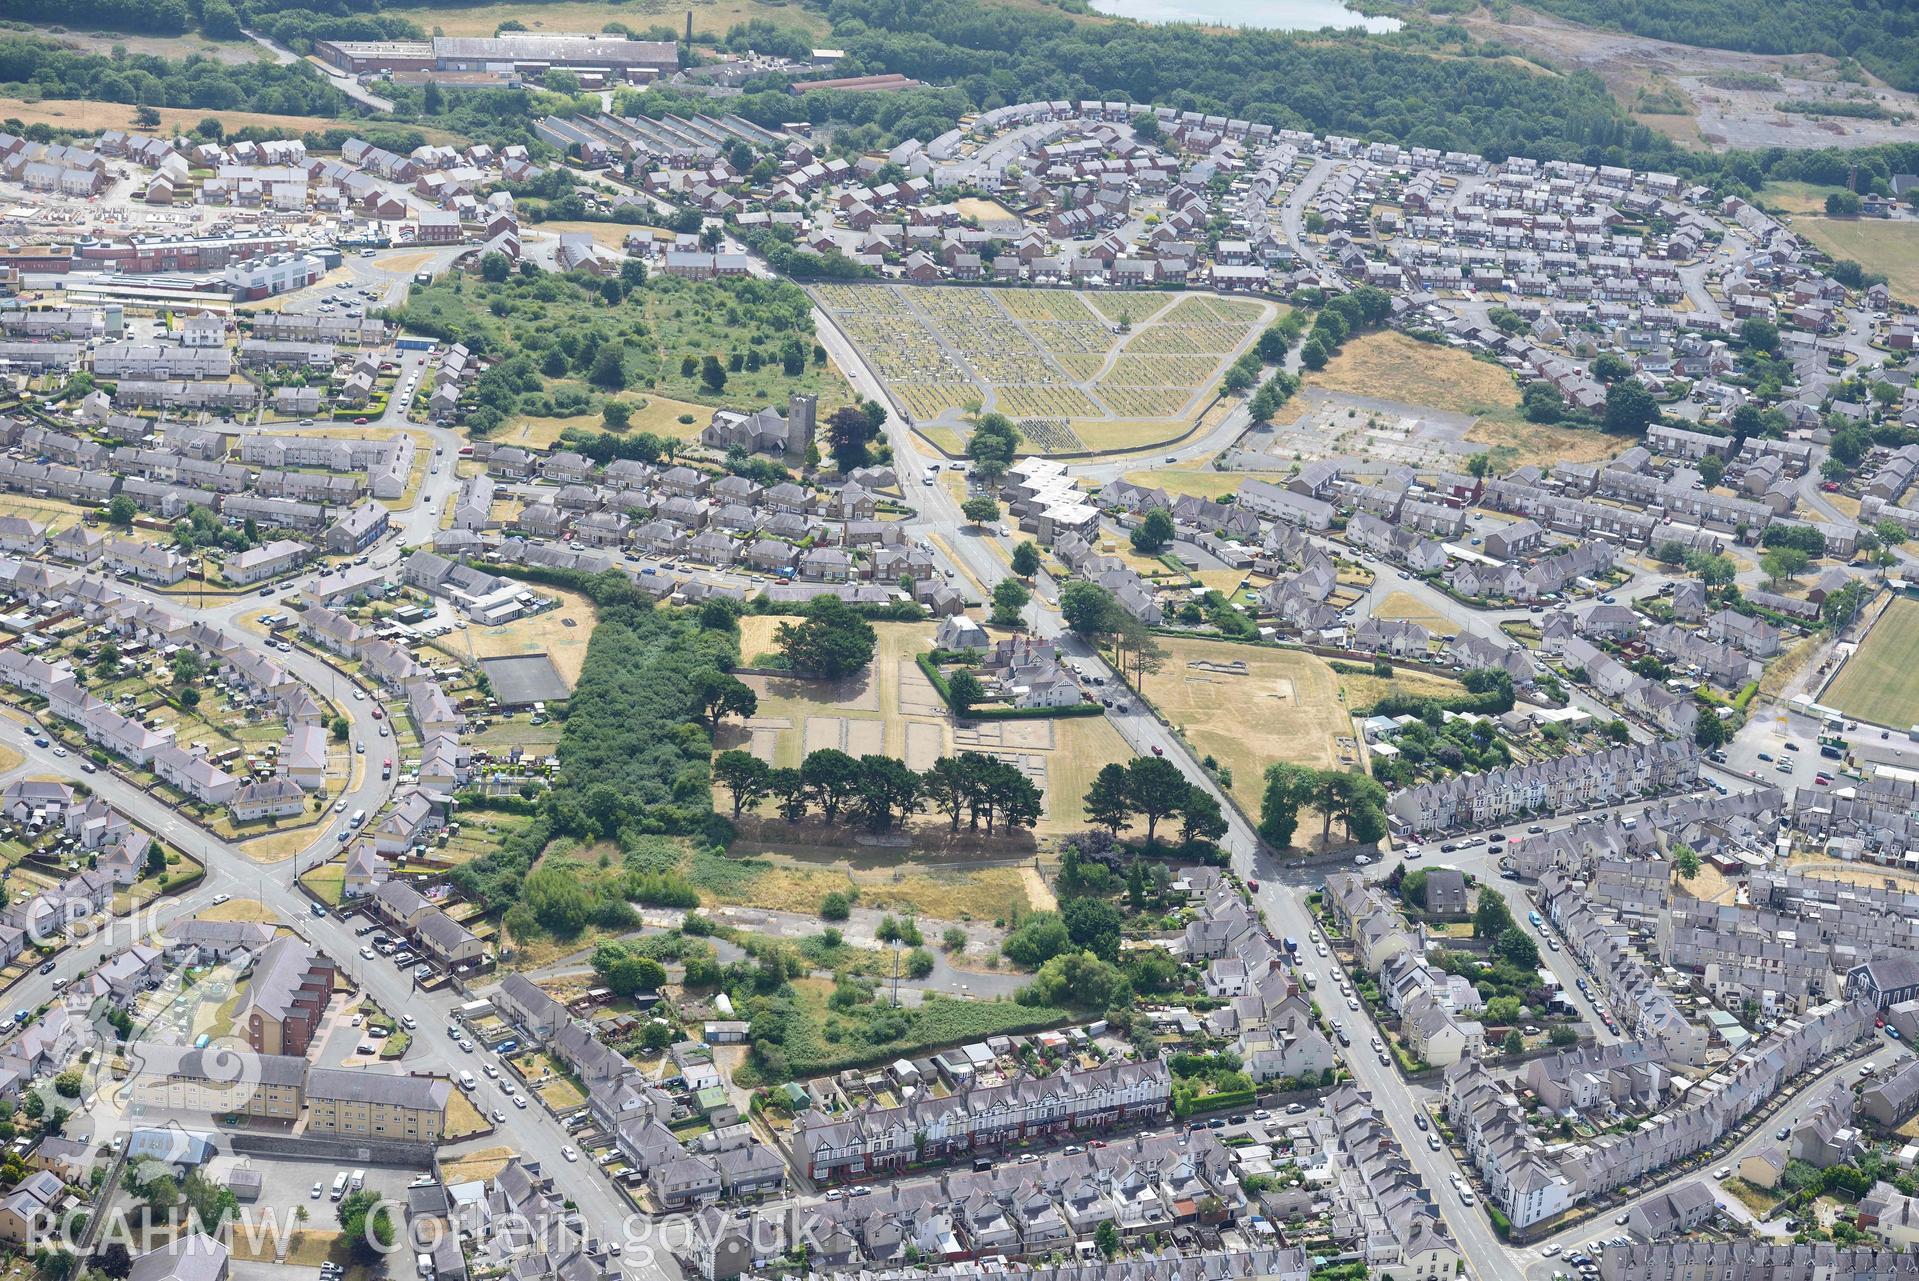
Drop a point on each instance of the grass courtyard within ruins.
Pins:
(891, 709)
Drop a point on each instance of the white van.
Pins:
(359, 1180)
(467, 1082)
(339, 1185)
(359, 817)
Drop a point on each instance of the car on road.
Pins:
(1552, 1250)
(467, 1045)
(221, 898)
(1783, 1133)
(571, 1154)
(88, 767)
(1723, 1172)
(317, 1192)
(1352, 1003)
(360, 748)
(366, 953)
(408, 1022)
(1157, 750)
(519, 1100)
(59, 751)
(47, 968)
(499, 1116)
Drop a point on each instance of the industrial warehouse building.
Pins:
(522, 55)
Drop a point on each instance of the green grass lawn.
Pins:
(1874, 243)
(327, 881)
(1877, 683)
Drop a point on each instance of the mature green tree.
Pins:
(964, 690)
(1156, 788)
(1154, 531)
(1609, 367)
(1026, 559)
(745, 776)
(1630, 408)
(1089, 609)
(1009, 598)
(1200, 818)
(1036, 940)
(849, 429)
(1491, 916)
(609, 367)
(1012, 797)
(946, 786)
(625, 970)
(1109, 801)
(992, 446)
(1093, 924)
(888, 791)
(833, 640)
(832, 778)
(1288, 787)
(1783, 563)
(1516, 947)
(366, 1221)
(1078, 980)
(1759, 334)
(981, 509)
(721, 695)
(1685, 862)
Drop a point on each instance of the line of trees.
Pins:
(880, 791)
(1366, 307)
(1153, 789)
(41, 69)
(1357, 801)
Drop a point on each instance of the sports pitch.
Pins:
(1880, 682)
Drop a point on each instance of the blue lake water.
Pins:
(1270, 15)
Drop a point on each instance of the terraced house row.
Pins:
(1560, 785)
(874, 1139)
